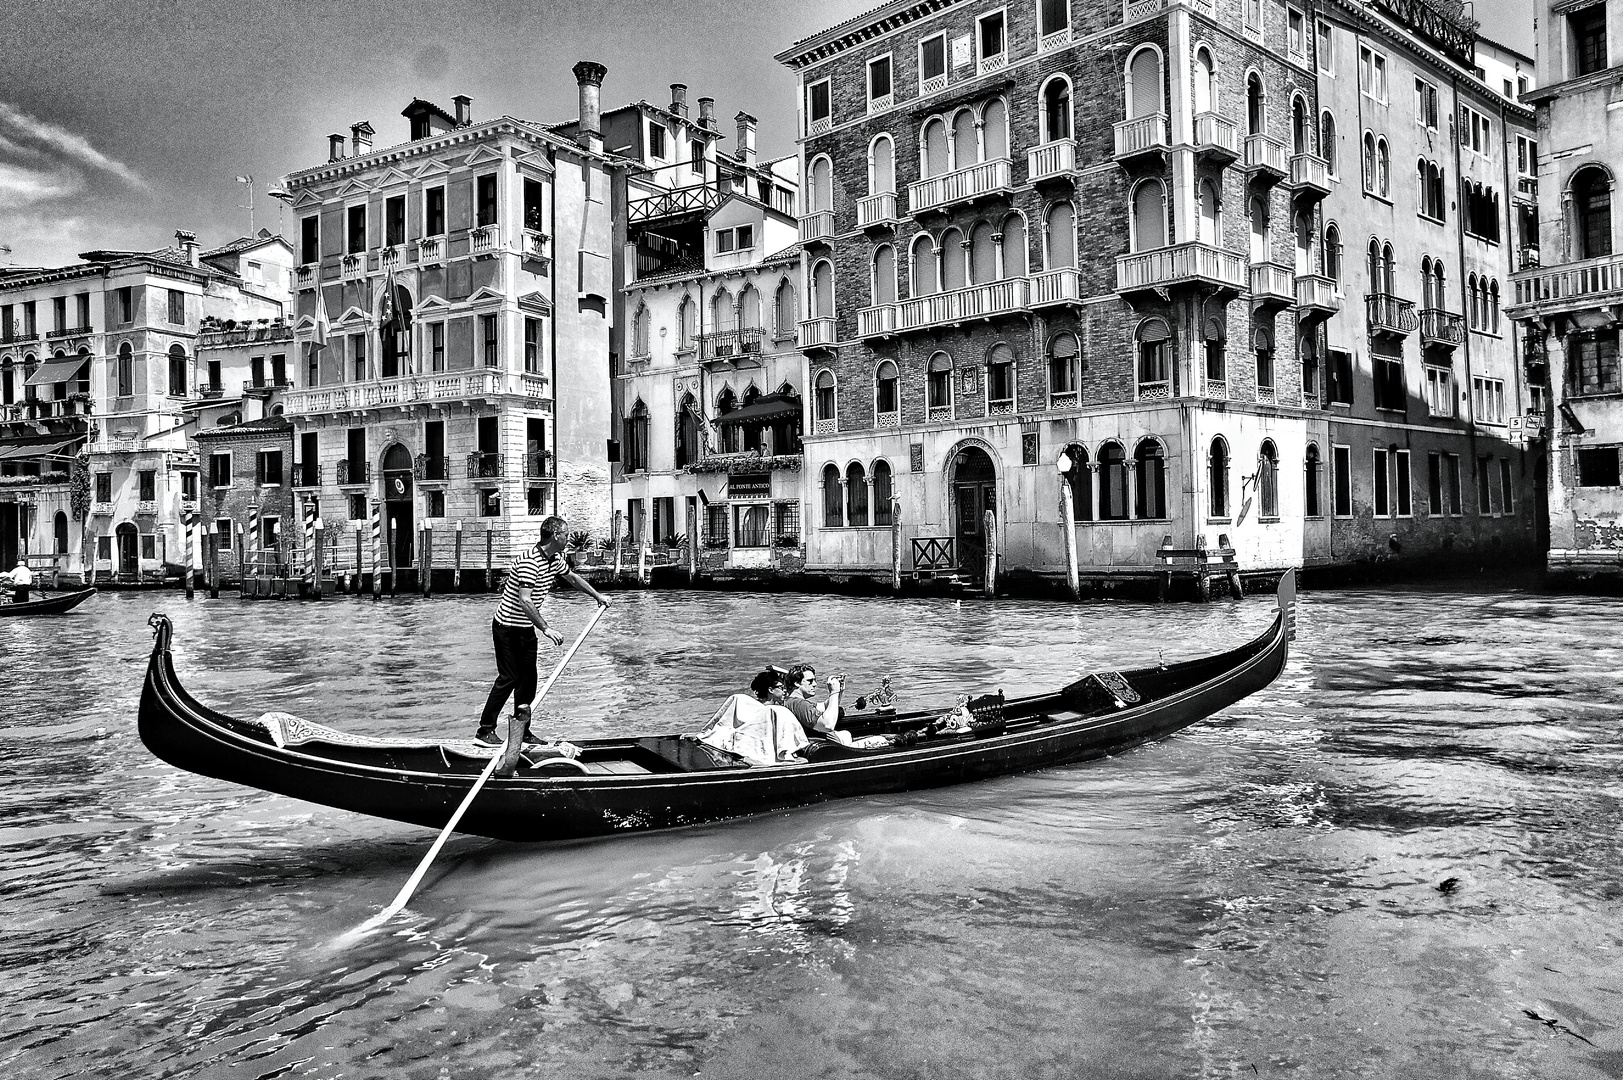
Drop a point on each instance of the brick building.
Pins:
(1570, 298)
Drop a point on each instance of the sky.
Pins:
(122, 122)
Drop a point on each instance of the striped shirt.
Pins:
(533, 571)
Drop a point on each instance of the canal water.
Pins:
(1400, 860)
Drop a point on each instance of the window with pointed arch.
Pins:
(1327, 141)
(1056, 99)
(723, 312)
(126, 370)
(954, 261)
(1268, 480)
(634, 454)
(687, 323)
(1151, 480)
(640, 327)
(883, 510)
(887, 398)
(749, 310)
(1080, 477)
(982, 254)
(823, 396)
(689, 444)
(1310, 482)
(833, 498)
(1113, 501)
(1307, 347)
(1301, 126)
(1473, 303)
(1217, 361)
(731, 434)
(1332, 253)
(1256, 106)
(856, 495)
(938, 382)
(1205, 81)
(1369, 162)
(785, 310)
(820, 192)
(1493, 306)
(1592, 213)
(177, 370)
(1383, 168)
(1217, 478)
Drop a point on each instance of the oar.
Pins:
(416, 878)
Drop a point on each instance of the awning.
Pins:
(64, 370)
(769, 408)
(33, 449)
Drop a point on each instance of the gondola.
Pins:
(51, 605)
(618, 785)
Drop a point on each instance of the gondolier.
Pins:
(517, 620)
(22, 583)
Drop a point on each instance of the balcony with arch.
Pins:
(964, 158)
(1141, 138)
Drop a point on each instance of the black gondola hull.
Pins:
(531, 807)
(51, 605)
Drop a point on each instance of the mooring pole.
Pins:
(428, 557)
(191, 553)
(377, 550)
(456, 574)
(693, 541)
(990, 523)
(895, 544)
(1067, 522)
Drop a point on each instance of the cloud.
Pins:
(21, 133)
(21, 185)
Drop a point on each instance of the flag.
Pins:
(319, 340)
(386, 310)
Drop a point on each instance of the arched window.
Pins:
(1144, 88)
(1307, 347)
(1383, 168)
(785, 309)
(1473, 305)
(1151, 480)
(1217, 468)
(687, 323)
(884, 275)
(639, 332)
(1258, 217)
(1388, 270)
(982, 254)
(1056, 109)
(925, 278)
(1112, 483)
(1256, 115)
(822, 299)
(1154, 362)
(856, 495)
(1332, 254)
(1081, 478)
(954, 261)
(177, 370)
(1303, 230)
(1014, 246)
(1063, 364)
(1310, 481)
(749, 309)
(1369, 161)
(965, 146)
(1592, 206)
(689, 445)
(1217, 364)
(1000, 377)
(823, 396)
(1204, 83)
(938, 382)
(934, 158)
(1327, 140)
(635, 452)
(1268, 480)
(833, 498)
(821, 193)
(994, 131)
(126, 370)
(886, 398)
(1059, 236)
(1493, 306)
(882, 509)
(1301, 127)
(1207, 223)
(1263, 342)
(882, 166)
(59, 531)
(723, 312)
(1149, 216)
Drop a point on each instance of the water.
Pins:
(1256, 897)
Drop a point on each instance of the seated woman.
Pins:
(757, 728)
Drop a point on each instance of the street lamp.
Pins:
(248, 182)
(282, 197)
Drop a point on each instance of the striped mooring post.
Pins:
(190, 525)
(377, 550)
(308, 570)
(253, 535)
(456, 574)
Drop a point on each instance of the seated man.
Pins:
(821, 721)
(757, 728)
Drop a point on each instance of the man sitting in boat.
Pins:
(756, 726)
(821, 722)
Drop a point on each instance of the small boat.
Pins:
(50, 605)
(618, 785)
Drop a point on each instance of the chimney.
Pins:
(335, 147)
(464, 109)
(707, 112)
(187, 243)
(360, 138)
(745, 148)
(589, 77)
(679, 98)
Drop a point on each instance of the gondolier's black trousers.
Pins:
(515, 670)
(19, 594)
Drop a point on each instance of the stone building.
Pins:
(710, 389)
(104, 354)
(1570, 298)
(1081, 249)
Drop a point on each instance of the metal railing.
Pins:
(729, 344)
(307, 474)
(538, 466)
(1438, 327)
(484, 465)
(1390, 314)
(433, 467)
(353, 472)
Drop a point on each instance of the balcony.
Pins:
(877, 321)
(252, 387)
(305, 276)
(1217, 138)
(1310, 176)
(965, 185)
(1567, 287)
(1265, 159)
(1050, 161)
(352, 473)
(1272, 285)
(390, 258)
(1316, 296)
(1134, 10)
(1185, 264)
(306, 474)
(995, 62)
(484, 465)
(1441, 329)
(412, 389)
(101, 509)
(952, 308)
(433, 468)
(731, 345)
(877, 211)
(815, 333)
(188, 506)
(1062, 286)
(146, 508)
(430, 250)
(67, 332)
(1144, 135)
(352, 266)
(487, 240)
(1390, 315)
(817, 226)
(538, 466)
